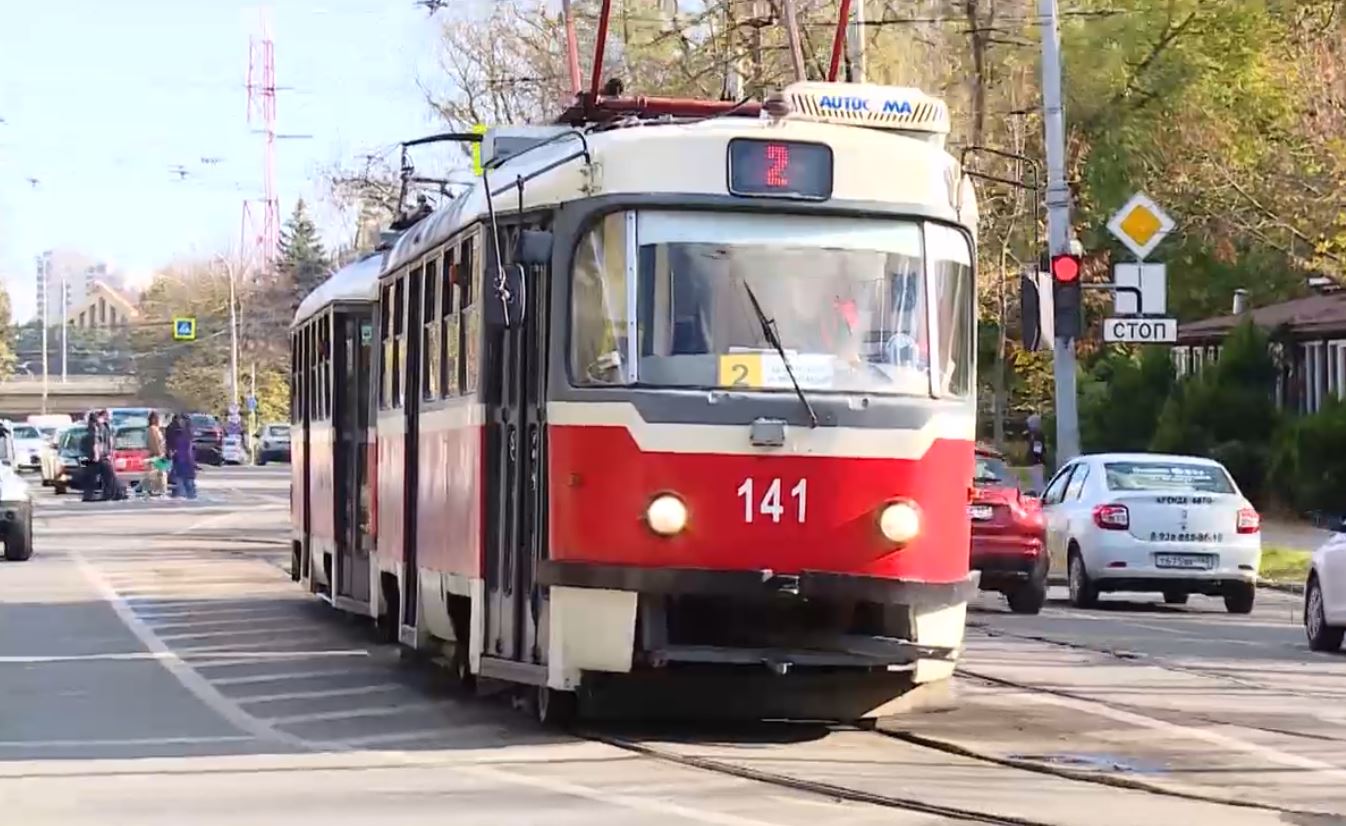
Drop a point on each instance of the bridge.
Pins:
(21, 396)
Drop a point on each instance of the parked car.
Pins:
(1008, 535)
(232, 451)
(28, 444)
(64, 468)
(273, 443)
(1325, 595)
(1177, 525)
(130, 453)
(16, 506)
(207, 439)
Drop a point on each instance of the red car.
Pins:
(1008, 536)
(130, 453)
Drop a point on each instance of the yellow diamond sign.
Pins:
(1140, 225)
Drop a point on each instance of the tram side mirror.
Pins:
(534, 248)
(507, 308)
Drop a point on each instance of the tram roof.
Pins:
(690, 158)
(354, 282)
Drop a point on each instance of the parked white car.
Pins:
(1176, 525)
(1325, 595)
(16, 505)
(29, 444)
(232, 452)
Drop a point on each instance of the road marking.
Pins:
(418, 735)
(145, 741)
(210, 634)
(228, 652)
(243, 649)
(378, 688)
(80, 658)
(286, 675)
(323, 716)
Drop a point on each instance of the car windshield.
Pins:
(25, 431)
(1167, 476)
(123, 417)
(200, 420)
(70, 439)
(131, 438)
(278, 431)
(848, 300)
(47, 432)
(991, 470)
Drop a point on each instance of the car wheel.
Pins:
(1322, 637)
(1238, 598)
(1083, 592)
(1028, 598)
(1176, 597)
(19, 540)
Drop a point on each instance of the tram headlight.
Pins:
(900, 521)
(666, 515)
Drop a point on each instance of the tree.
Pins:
(195, 288)
(1121, 398)
(302, 263)
(7, 334)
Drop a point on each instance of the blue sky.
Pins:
(101, 100)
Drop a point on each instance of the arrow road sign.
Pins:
(1140, 225)
(1150, 279)
(184, 329)
(1141, 330)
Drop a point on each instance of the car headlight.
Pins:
(666, 515)
(900, 521)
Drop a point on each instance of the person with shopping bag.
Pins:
(155, 482)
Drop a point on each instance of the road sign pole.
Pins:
(1058, 223)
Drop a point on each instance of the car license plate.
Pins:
(1198, 562)
(979, 512)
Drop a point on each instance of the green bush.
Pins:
(1309, 462)
(1121, 398)
(1228, 412)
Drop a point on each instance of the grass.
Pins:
(1284, 564)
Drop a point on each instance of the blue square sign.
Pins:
(184, 329)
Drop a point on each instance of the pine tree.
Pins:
(302, 263)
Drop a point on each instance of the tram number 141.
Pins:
(771, 504)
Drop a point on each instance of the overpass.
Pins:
(21, 396)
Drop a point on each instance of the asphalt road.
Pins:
(158, 666)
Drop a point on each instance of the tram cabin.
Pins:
(673, 409)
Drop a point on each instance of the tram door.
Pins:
(306, 342)
(354, 334)
(411, 286)
(515, 365)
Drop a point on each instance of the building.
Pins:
(1309, 344)
(77, 274)
(103, 307)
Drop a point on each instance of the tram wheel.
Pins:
(555, 709)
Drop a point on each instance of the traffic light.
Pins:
(1066, 298)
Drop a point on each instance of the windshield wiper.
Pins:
(769, 331)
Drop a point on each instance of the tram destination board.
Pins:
(780, 169)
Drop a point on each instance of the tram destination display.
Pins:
(780, 169)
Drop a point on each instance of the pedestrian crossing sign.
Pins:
(184, 329)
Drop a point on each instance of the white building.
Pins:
(77, 273)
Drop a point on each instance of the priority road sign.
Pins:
(1141, 330)
(184, 329)
(1140, 225)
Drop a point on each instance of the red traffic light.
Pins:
(1066, 268)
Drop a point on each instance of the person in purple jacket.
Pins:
(180, 452)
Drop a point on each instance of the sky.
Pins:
(100, 102)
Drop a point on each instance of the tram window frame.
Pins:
(469, 311)
(294, 385)
(385, 351)
(430, 346)
(399, 340)
(448, 324)
(325, 367)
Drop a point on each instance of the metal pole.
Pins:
(46, 323)
(1058, 223)
(792, 32)
(856, 41)
(233, 338)
(572, 48)
(65, 309)
(839, 40)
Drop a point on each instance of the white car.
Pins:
(1176, 525)
(1325, 595)
(232, 451)
(29, 444)
(16, 505)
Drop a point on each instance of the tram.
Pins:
(671, 407)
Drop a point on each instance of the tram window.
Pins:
(470, 323)
(385, 354)
(430, 338)
(399, 340)
(448, 327)
(598, 304)
(951, 268)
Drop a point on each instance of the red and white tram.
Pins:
(663, 407)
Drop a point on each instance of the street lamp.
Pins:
(233, 329)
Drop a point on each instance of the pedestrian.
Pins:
(180, 453)
(1037, 454)
(156, 475)
(96, 453)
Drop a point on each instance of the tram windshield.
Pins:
(661, 299)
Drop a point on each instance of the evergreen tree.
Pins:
(302, 263)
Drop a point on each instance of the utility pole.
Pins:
(1058, 223)
(233, 333)
(792, 34)
(65, 309)
(44, 275)
(856, 39)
